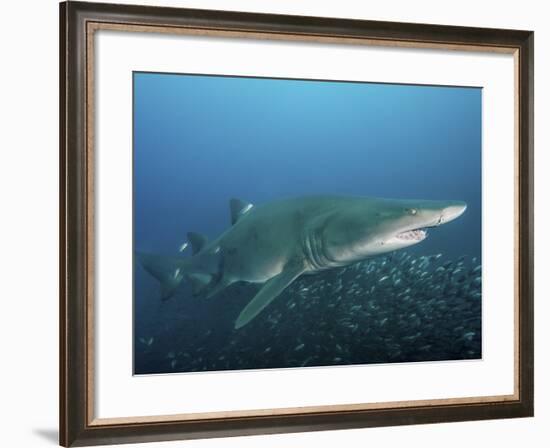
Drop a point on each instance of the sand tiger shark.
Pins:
(275, 243)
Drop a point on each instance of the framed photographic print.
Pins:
(277, 223)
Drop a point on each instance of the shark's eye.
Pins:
(412, 211)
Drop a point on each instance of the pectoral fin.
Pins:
(271, 289)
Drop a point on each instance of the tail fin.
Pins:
(169, 271)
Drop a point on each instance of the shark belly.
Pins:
(254, 252)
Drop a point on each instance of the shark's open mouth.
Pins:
(413, 235)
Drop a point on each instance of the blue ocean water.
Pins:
(201, 140)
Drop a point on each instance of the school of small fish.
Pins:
(397, 308)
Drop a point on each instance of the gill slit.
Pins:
(314, 252)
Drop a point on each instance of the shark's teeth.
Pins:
(416, 235)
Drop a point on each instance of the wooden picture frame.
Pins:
(78, 23)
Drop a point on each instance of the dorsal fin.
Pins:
(238, 208)
(197, 241)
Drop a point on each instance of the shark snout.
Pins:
(452, 211)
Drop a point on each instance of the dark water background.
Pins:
(201, 140)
